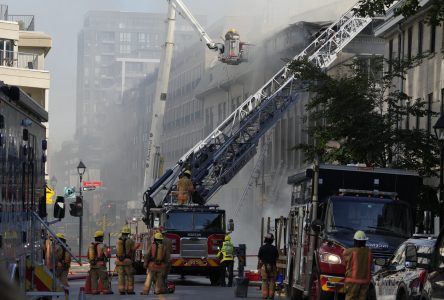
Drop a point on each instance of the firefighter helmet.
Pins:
(360, 236)
(99, 233)
(187, 172)
(158, 236)
(60, 236)
(227, 238)
(126, 230)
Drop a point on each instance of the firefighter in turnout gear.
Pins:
(226, 257)
(98, 256)
(125, 252)
(184, 188)
(156, 262)
(63, 261)
(268, 256)
(358, 268)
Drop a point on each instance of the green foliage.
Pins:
(365, 115)
(407, 8)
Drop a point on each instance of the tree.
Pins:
(407, 8)
(360, 117)
(365, 116)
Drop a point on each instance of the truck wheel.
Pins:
(214, 277)
(401, 295)
(316, 292)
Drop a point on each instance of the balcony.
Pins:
(19, 60)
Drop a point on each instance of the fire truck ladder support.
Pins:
(219, 157)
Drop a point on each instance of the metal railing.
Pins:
(3, 12)
(18, 59)
(26, 22)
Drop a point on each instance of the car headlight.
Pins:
(330, 258)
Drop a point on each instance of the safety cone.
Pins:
(88, 284)
(82, 294)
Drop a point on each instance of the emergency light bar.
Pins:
(368, 192)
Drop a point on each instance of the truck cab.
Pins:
(195, 232)
(375, 200)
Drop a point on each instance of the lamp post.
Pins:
(81, 168)
(439, 132)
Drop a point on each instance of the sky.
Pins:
(63, 19)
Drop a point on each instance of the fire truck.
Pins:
(24, 232)
(329, 204)
(196, 232)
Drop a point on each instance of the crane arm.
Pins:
(215, 160)
(183, 10)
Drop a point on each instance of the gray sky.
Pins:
(62, 20)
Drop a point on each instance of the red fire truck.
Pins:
(324, 216)
(196, 232)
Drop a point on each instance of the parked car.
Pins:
(404, 275)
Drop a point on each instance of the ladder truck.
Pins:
(215, 160)
(230, 52)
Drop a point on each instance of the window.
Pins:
(390, 55)
(442, 99)
(429, 112)
(126, 49)
(125, 37)
(418, 118)
(142, 37)
(407, 118)
(409, 43)
(420, 37)
(432, 38)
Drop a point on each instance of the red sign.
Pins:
(92, 183)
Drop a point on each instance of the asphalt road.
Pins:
(192, 287)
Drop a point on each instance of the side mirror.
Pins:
(230, 225)
(317, 226)
(380, 262)
(411, 257)
(59, 208)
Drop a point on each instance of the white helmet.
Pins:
(360, 236)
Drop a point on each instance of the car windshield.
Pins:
(380, 216)
(197, 221)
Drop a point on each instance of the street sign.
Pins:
(49, 194)
(92, 183)
(70, 192)
(88, 188)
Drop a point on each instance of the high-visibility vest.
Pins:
(358, 265)
(226, 252)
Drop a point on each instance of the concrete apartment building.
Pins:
(409, 38)
(22, 56)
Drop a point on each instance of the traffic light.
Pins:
(76, 208)
(59, 208)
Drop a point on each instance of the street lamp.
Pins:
(81, 168)
(439, 132)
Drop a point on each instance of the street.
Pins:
(193, 287)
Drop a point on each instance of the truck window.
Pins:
(373, 215)
(208, 222)
(179, 221)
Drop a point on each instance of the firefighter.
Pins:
(155, 261)
(168, 244)
(358, 268)
(268, 256)
(184, 188)
(125, 253)
(63, 261)
(226, 257)
(98, 256)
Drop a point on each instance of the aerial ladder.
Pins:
(230, 52)
(215, 160)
